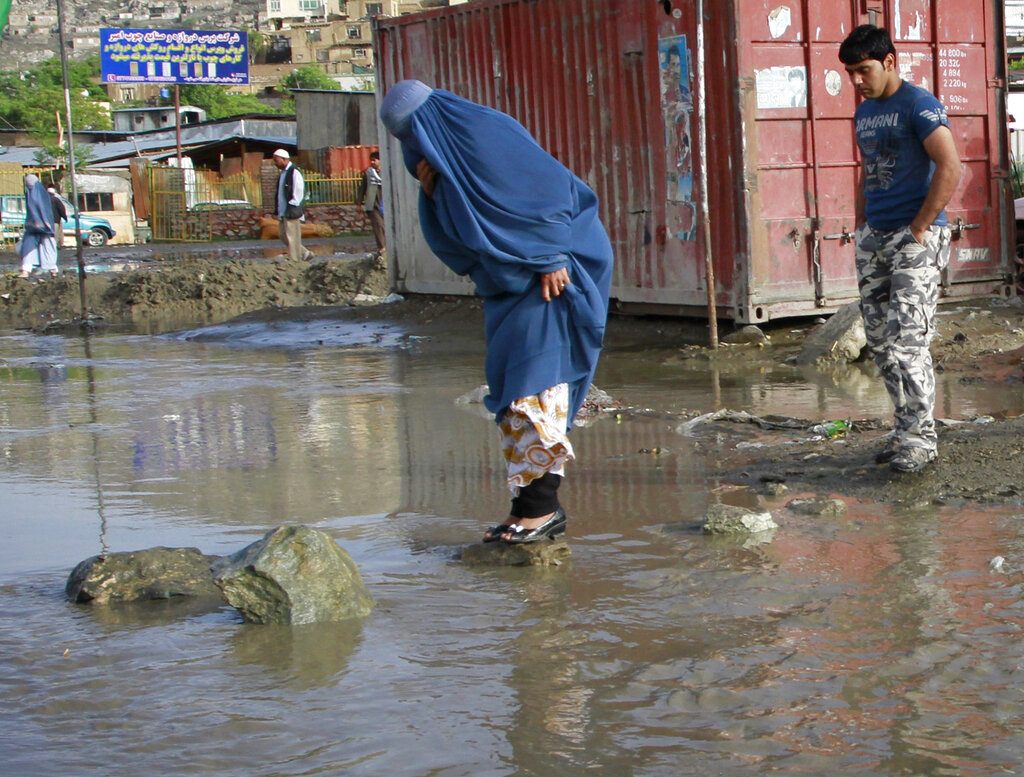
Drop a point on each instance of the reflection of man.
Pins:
(910, 170)
(291, 189)
(797, 87)
(371, 195)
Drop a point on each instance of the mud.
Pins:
(190, 290)
(979, 340)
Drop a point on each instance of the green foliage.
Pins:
(32, 100)
(52, 155)
(258, 43)
(1017, 179)
(217, 103)
(309, 77)
(1016, 64)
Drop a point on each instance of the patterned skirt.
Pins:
(533, 436)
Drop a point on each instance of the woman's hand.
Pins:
(553, 283)
(427, 176)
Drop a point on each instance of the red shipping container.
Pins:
(617, 90)
(343, 161)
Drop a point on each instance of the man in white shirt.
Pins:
(291, 189)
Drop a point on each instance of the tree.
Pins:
(309, 77)
(216, 101)
(51, 154)
(258, 44)
(33, 99)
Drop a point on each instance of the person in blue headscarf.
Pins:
(38, 245)
(497, 207)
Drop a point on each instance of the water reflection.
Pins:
(302, 656)
(877, 642)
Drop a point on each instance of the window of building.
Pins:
(94, 201)
(313, 34)
(321, 55)
(275, 6)
(359, 53)
(127, 94)
(374, 9)
(355, 32)
(312, 6)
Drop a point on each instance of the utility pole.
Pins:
(71, 161)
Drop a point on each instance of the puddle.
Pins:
(297, 334)
(877, 642)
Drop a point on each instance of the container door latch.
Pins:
(846, 236)
(958, 227)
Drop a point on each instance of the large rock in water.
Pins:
(157, 573)
(840, 339)
(294, 575)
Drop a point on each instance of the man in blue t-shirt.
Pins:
(910, 170)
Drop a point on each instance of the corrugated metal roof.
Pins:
(163, 143)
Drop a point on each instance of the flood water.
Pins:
(877, 643)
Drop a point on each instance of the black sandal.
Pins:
(494, 533)
(548, 530)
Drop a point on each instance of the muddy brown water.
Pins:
(876, 643)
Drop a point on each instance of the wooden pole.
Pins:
(177, 123)
(705, 202)
(71, 162)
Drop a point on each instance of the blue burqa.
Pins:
(503, 211)
(38, 245)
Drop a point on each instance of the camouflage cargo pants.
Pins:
(899, 288)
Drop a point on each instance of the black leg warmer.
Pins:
(539, 498)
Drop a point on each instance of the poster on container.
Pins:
(174, 56)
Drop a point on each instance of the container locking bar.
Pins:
(846, 236)
(959, 227)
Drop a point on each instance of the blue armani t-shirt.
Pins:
(897, 169)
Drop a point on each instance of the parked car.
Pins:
(95, 230)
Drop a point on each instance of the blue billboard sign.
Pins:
(174, 56)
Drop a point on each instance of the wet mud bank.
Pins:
(978, 462)
(198, 288)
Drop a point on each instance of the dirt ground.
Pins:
(981, 340)
(180, 287)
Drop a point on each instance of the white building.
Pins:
(1014, 16)
(304, 9)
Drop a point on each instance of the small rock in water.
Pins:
(821, 506)
(746, 335)
(501, 554)
(732, 519)
(996, 564)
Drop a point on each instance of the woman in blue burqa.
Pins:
(496, 207)
(38, 244)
